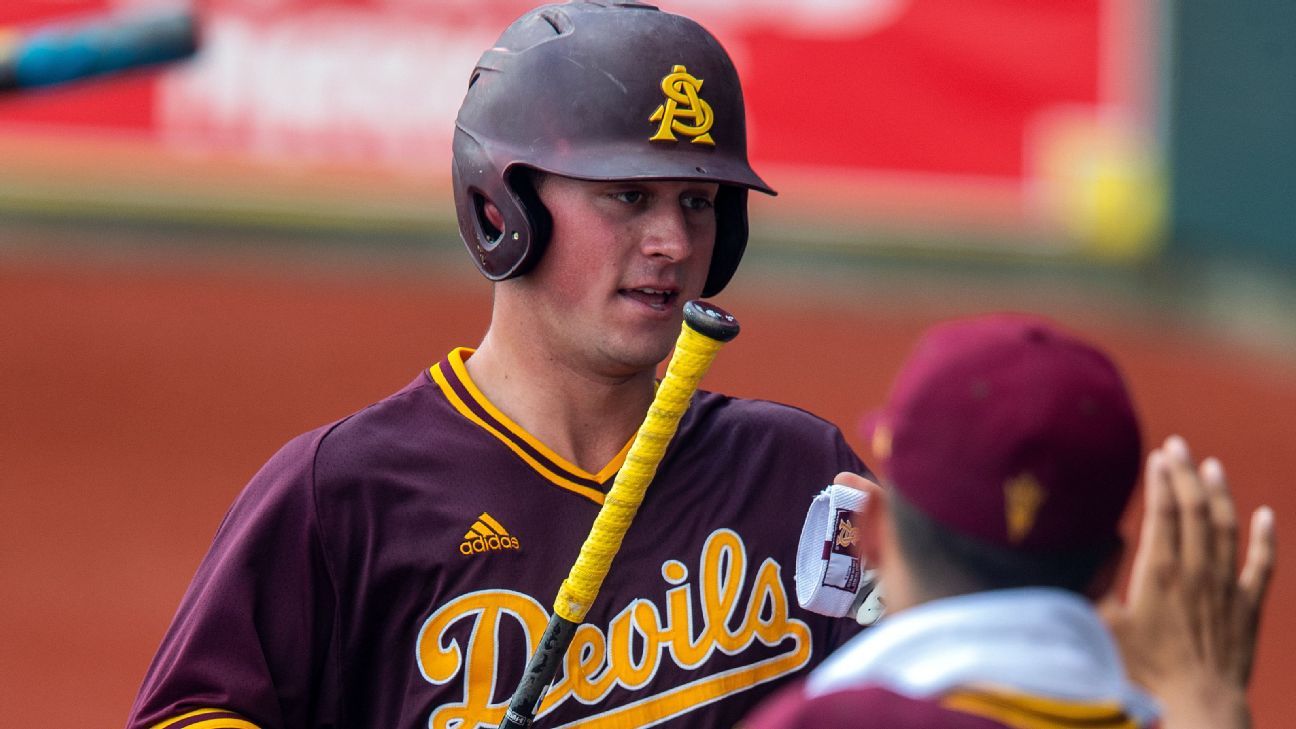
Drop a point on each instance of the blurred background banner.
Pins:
(1025, 126)
(201, 260)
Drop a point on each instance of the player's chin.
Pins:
(646, 351)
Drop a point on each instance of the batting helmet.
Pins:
(598, 91)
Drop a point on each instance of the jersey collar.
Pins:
(452, 377)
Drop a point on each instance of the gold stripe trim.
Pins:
(500, 530)
(617, 461)
(224, 724)
(1036, 712)
(457, 364)
(219, 723)
(690, 696)
(481, 529)
(168, 722)
(589, 493)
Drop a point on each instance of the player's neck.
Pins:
(582, 415)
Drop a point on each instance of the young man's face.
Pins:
(622, 260)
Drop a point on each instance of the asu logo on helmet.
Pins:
(598, 91)
(683, 102)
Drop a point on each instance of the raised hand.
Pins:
(1187, 628)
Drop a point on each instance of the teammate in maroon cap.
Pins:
(395, 569)
(1009, 449)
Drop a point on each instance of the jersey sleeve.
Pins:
(842, 630)
(849, 461)
(252, 642)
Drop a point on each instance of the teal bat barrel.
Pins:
(71, 50)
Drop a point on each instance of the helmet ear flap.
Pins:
(522, 184)
(731, 237)
(498, 253)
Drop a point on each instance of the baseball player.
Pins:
(395, 568)
(1010, 449)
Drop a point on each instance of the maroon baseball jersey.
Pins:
(1021, 658)
(395, 570)
(876, 707)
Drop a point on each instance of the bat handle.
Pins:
(539, 673)
(706, 328)
(694, 351)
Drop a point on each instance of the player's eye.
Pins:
(630, 197)
(697, 202)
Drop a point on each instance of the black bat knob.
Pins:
(710, 320)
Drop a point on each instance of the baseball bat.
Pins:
(93, 46)
(706, 328)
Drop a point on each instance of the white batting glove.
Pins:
(830, 576)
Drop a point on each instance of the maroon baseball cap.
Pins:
(1006, 429)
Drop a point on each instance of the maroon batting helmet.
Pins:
(598, 91)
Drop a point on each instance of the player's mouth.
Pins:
(654, 298)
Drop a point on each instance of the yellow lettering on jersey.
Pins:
(441, 662)
(638, 639)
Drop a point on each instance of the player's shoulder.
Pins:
(753, 421)
(756, 413)
(860, 707)
(407, 418)
(392, 411)
(356, 436)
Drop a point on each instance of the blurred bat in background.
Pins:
(43, 55)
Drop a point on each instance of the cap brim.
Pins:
(616, 163)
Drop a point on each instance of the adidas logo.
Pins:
(486, 535)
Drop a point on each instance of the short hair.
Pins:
(946, 563)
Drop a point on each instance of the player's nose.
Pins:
(666, 230)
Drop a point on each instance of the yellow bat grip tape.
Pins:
(693, 355)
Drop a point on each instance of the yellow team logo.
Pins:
(1023, 497)
(846, 533)
(684, 112)
(487, 535)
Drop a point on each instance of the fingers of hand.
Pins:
(1196, 543)
(1252, 586)
(1187, 602)
(1223, 521)
(858, 482)
(1156, 561)
(1261, 551)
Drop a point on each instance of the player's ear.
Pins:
(493, 215)
(1104, 579)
